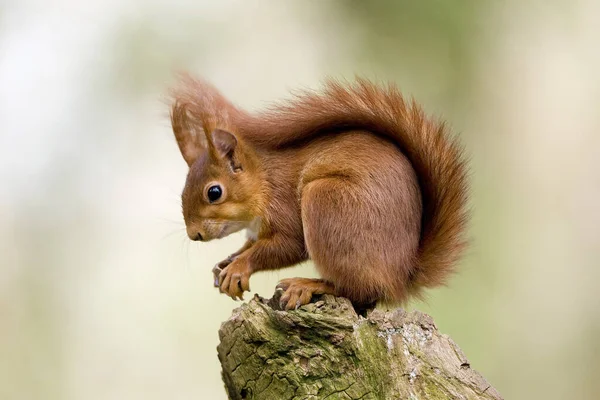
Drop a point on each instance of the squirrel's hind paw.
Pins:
(299, 291)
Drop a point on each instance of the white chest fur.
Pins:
(253, 229)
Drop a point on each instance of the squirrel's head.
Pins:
(223, 189)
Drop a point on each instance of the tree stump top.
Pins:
(326, 350)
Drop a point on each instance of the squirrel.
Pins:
(353, 177)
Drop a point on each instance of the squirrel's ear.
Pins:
(191, 140)
(224, 142)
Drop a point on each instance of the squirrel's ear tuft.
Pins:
(224, 142)
(190, 138)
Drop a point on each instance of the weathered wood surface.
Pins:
(324, 350)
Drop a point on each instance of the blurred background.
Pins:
(102, 296)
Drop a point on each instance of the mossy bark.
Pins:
(325, 350)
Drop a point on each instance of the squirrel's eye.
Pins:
(214, 193)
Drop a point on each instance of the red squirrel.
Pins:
(353, 177)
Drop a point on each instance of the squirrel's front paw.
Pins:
(219, 268)
(234, 279)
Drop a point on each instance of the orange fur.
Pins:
(354, 177)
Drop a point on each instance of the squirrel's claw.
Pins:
(216, 271)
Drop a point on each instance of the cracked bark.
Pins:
(325, 350)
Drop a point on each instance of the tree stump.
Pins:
(325, 350)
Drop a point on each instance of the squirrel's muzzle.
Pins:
(194, 234)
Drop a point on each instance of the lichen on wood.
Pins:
(325, 350)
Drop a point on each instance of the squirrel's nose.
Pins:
(194, 232)
(194, 235)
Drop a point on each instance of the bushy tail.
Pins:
(435, 155)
